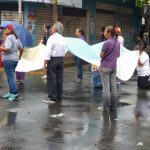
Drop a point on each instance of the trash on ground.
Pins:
(57, 115)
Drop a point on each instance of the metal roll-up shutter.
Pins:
(125, 23)
(103, 20)
(44, 16)
(73, 19)
(71, 23)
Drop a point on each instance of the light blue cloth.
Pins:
(126, 63)
(82, 50)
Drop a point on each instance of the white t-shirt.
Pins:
(120, 40)
(57, 45)
(144, 70)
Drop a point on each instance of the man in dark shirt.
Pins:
(46, 29)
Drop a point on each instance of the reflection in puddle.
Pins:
(123, 104)
(142, 106)
(9, 118)
(21, 87)
(109, 127)
(97, 95)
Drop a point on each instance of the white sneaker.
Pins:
(44, 77)
(100, 108)
(48, 101)
(78, 80)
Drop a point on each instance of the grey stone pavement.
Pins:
(27, 124)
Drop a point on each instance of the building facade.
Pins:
(91, 15)
(115, 13)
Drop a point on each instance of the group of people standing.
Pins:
(54, 62)
(55, 59)
(109, 54)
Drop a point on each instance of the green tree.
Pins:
(139, 3)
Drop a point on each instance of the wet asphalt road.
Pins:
(29, 124)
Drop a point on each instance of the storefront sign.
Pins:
(72, 3)
(10, 15)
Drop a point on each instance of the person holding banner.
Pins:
(54, 64)
(110, 52)
(46, 30)
(79, 62)
(10, 58)
(143, 67)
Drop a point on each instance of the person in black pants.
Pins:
(54, 64)
(46, 30)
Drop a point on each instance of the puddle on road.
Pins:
(75, 105)
(123, 104)
(9, 118)
(12, 143)
(21, 87)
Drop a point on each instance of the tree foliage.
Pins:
(139, 3)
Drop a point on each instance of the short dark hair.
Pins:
(81, 31)
(47, 26)
(102, 29)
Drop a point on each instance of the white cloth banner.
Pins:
(33, 59)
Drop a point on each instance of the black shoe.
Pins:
(48, 101)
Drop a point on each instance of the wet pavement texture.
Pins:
(76, 124)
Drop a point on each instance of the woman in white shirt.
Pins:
(143, 68)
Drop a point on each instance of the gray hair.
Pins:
(59, 27)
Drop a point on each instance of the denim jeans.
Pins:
(9, 67)
(79, 63)
(109, 89)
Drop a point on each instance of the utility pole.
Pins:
(20, 10)
(55, 11)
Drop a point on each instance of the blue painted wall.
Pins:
(90, 5)
(29, 7)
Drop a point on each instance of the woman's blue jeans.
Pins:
(9, 67)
